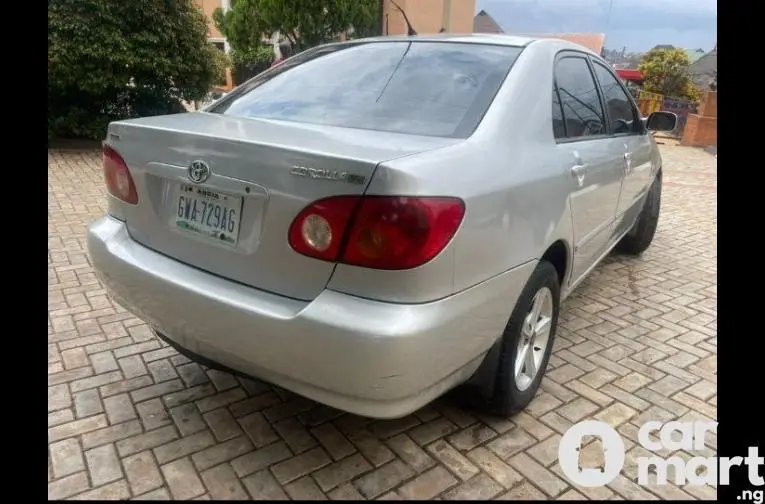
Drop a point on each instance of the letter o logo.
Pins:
(613, 451)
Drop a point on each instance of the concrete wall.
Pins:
(429, 16)
(463, 13)
(701, 128)
(208, 7)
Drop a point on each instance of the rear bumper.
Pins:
(371, 358)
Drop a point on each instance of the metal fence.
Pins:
(648, 103)
(653, 102)
(682, 108)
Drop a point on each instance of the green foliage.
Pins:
(112, 59)
(364, 17)
(249, 63)
(220, 62)
(262, 55)
(241, 25)
(665, 71)
(305, 23)
(243, 29)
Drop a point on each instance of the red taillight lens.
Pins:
(401, 232)
(119, 182)
(391, 233)
(318, 230)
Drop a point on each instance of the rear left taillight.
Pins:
(380, 232)
(119, 182)
(318, 230)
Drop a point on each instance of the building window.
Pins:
(220, 45)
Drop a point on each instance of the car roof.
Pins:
(475, 38)
(481, 38)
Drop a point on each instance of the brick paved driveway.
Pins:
(128, 417)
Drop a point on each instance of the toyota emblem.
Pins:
(198, 172)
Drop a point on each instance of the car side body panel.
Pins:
(516, 196)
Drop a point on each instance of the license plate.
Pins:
(208, 214)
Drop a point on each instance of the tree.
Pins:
(304, 23)
(307, 23)
(243, 29)
(364, 18)
(665, 71)
(241, 25)
(113, 59)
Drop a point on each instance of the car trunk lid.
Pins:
(220, 192)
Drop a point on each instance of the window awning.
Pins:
(630, 74)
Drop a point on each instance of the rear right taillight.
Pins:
(119, 182)
(380, 232)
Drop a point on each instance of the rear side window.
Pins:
(582, 111)
(423, 88)
(621, 113)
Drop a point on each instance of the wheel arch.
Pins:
(558, 253)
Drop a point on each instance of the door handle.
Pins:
(627, 162)
(578, 171)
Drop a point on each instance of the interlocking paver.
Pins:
(113, 491)
(263, 486)
(145, 441)
(183, 479)
(452, 459)
(223, 483)
(409, 452)
(103, 465)
(184, 446)
(111, 434)
(66, 457)
(482, 487)
(384, 478)
(76, 427)
(341, 472)
(59, 417)
(428, 485)
(142, 472)
(222, 452)
(119, 408)
(333, 441)
(128, 417)
(153, 414)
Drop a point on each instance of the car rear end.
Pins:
(226, 227)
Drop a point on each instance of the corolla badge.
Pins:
(198, 171)
(331, 175)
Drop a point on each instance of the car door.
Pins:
(626, 127)
(585, 150)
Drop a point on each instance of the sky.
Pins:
(637, 24)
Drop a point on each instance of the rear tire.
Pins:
(518, 378)
(639, 238)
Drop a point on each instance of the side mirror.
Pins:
(661, 121)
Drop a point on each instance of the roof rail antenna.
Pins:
(409, 30)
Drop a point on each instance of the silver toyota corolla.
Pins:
(373, 223)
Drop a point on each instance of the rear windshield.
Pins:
(420, 88)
